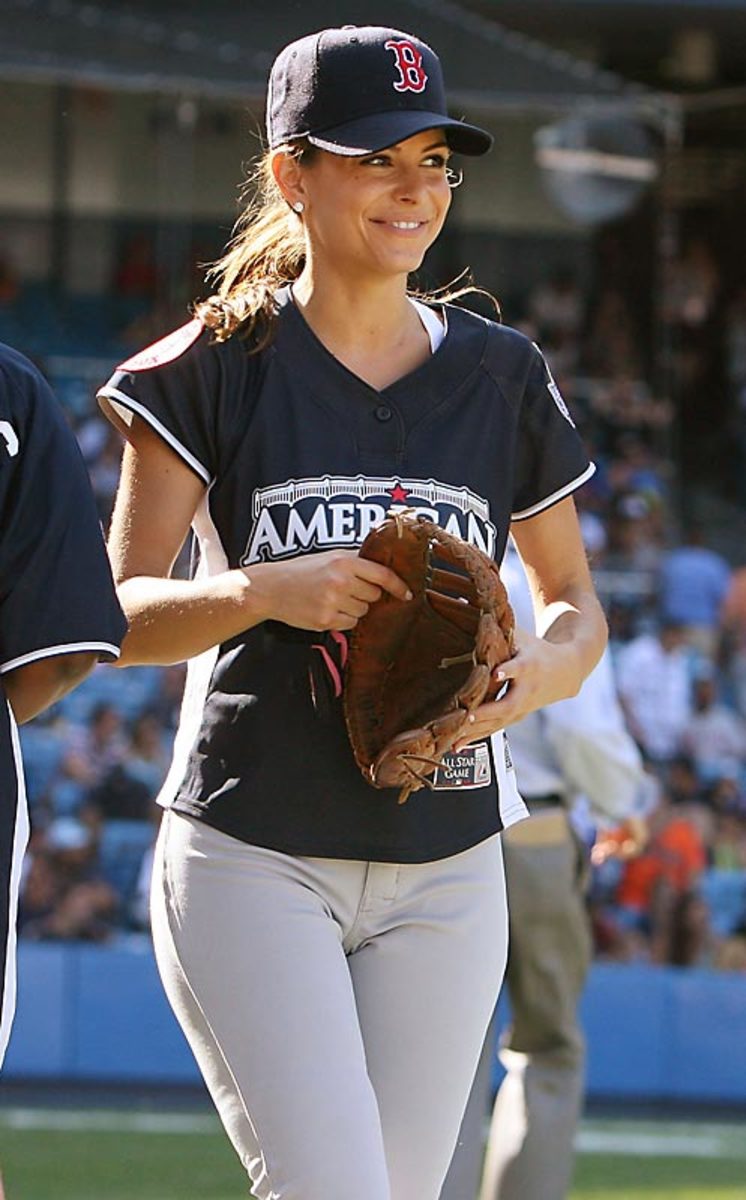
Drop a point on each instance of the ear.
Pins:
(288, 176)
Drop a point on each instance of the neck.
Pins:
(373, 330)
(343, 311)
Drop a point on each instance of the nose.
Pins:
(409, 183)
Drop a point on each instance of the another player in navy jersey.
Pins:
(334, 957)
(58, 608)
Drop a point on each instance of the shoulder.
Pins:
(168, 349)
(31, 418)
(466, 323)
(192, 345)
(507, 355)
(21, 383)
(189, 361)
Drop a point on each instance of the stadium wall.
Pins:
(98, 1014)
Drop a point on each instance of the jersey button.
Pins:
(383, 413)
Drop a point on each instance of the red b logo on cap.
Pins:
(412, 77)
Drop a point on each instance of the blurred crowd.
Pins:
(677, 616)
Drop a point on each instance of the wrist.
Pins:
(254, 591)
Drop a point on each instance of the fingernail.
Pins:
(472, 718)
(408, 595)
(500, 674)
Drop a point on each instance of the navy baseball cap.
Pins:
(359, 89)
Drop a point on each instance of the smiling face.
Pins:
(375, 215)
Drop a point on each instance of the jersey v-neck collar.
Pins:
(412, 395)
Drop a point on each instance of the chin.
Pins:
(406, 264)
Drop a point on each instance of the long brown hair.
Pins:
(268, 251)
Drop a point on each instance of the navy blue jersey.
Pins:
(56, 593)
(299, 455)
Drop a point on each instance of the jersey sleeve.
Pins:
(57, 595)
(174, 386)
(551, 459)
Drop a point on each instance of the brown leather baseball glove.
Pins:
(418, 667)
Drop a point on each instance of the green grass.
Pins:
(112, 1158)
(58, 1165)
(611, 1177)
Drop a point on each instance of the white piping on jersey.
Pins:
(555, 496)
(212, 560)
(20, 840)
(510, 803)
(434, 327)
(51, 651)
(113, 394)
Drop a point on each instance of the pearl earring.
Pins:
(298, 206)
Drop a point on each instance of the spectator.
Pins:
(715, 736)
(724, 795)
(654, 681)
(693, 585)
(690, 940)
(97, 747)
(683, 783)
(652, 884)
(612, 343)
(733, 637)
(632, 537)
(120, 796)
(728, 843)
(692, 288)
(556, 306)
(150, 753)
(84, 905)
(41, 887)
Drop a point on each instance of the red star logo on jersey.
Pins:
(398, 494)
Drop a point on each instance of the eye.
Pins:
(436, 160)
(376, 160)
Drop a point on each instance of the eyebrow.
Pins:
(440, 144)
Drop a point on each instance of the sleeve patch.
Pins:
(554, 391)
(170, 347)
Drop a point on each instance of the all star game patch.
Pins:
(170, 347)
(468, 768)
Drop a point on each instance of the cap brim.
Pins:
(369, 134)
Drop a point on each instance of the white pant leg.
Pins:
(251, 945)
(426, 985)
(253, 965)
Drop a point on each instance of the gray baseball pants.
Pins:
(336, 1008)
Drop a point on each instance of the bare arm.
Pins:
(32, 688)
(173, 619)
(568, 614)
(569, 620)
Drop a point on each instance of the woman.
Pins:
(333, 957)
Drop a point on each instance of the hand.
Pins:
(332, 590)
(539, 673)
(624, 842)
